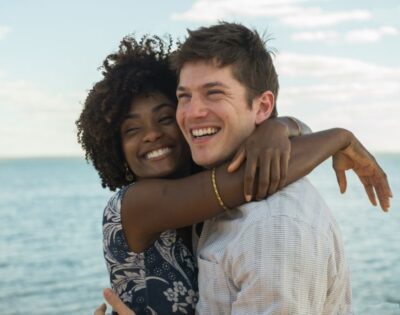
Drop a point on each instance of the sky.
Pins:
(338, 61)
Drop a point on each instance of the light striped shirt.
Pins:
(283, 255)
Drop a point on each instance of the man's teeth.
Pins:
(204, 132)
(157, 153)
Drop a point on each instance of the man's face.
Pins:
(212, 112)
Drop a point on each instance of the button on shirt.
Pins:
(282, 255)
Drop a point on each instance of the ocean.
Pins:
(51, 259)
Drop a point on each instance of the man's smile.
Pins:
(201, 132)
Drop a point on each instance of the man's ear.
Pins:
(265, 103)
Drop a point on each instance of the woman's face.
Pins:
(151, 140)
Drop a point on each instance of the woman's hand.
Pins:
(115, 302)
(374, 179)
(267, 152)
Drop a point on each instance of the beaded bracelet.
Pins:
(216, 192)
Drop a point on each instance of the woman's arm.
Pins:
(155, 205)
(296, 126)
(138, 216)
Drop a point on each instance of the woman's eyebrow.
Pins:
(162, 105)
(155, 109)
(131, 116)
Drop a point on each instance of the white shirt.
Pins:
(283, 255)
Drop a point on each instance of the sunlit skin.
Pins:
(213, 112)
(151, 140)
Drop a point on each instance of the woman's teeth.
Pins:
(157, 153)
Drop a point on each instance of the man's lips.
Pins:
(204, 132)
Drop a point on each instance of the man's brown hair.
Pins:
(232, 44)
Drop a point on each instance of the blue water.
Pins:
(50, 237)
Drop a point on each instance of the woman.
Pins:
(128, 131)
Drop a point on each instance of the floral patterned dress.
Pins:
(160, 280)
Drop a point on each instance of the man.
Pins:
(283, 255)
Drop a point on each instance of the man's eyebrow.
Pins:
(181, 88)
(214, 84)
(205, 86)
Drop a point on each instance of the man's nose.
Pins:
(197, 108)
(152, 134)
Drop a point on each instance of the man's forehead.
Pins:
(204, 74)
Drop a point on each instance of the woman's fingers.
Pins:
(116, 303)
(383, 198)
(383, 192)
(369, 189)
(284, 163)
(275, 173)
(101, 310)
(250, 177)
(263, 176)
(341, 179)
(237, 160)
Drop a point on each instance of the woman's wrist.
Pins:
(280, 124)
(229, 185)
(346, 137)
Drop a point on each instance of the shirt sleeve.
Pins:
(285, 266)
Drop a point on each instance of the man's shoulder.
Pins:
(299, 201)
(299, 194)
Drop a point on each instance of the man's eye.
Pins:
(214, 92)
(182, 96)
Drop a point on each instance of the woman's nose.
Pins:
(152, 134)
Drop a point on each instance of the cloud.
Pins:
(359, 36)
(35, 121)
(316, 36)
(369, 35)
(330, 92)
(333, 68)
(289, 12)
(4, 30)
(315, 17)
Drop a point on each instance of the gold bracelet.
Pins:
(296, 123)
(216, 192)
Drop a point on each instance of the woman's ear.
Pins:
(266, 104)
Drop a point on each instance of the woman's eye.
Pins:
(167, 119)
(131, 130)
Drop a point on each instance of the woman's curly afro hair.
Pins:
(137, 68)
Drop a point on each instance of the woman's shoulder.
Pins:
(113, 206)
